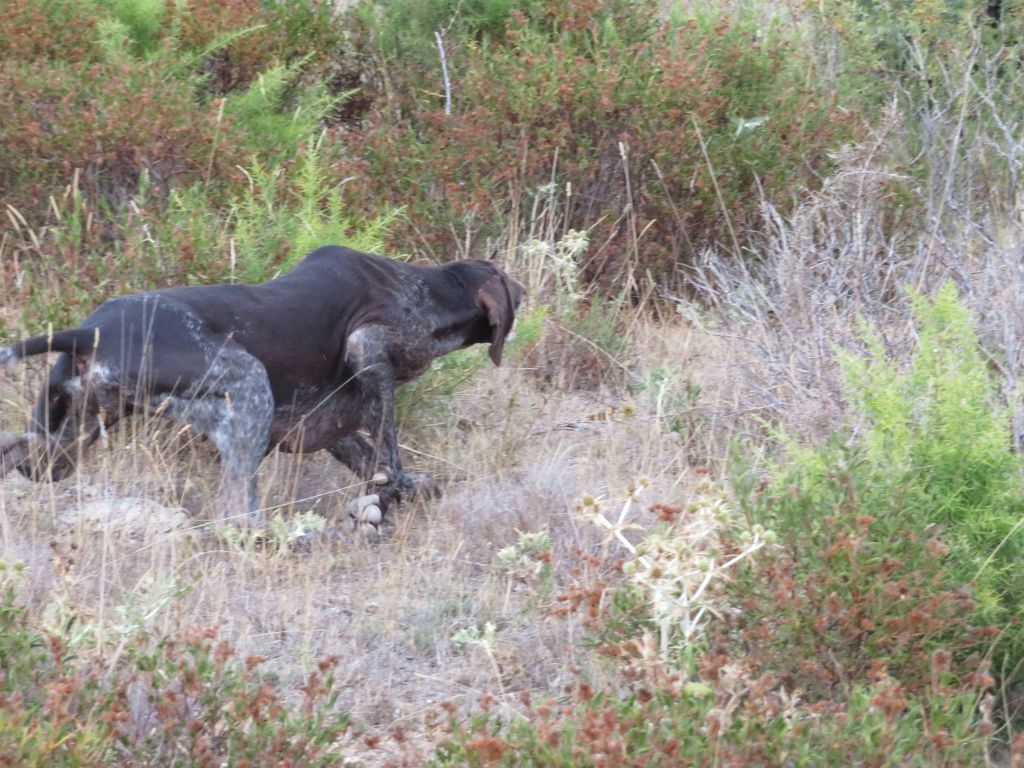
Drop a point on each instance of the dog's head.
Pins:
(497, 297)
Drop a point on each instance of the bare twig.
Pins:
(444, 72)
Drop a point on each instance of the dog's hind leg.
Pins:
(65, 422)
(13, 450)
(233, 406)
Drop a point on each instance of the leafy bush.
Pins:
(896, 37)
(864, 588)
(870, 626)
(62, 118)
(661, 131)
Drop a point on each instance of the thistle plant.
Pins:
(529, 559)
(680, 568)
(558, 259)
(486, 640)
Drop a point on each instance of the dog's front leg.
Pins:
(356, 453)
(385, 482)
(389, 483)
(377, 459)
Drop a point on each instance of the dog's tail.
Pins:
(77, 341)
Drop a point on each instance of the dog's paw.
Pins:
(365, 514)
(407, 487)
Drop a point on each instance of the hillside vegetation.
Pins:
(748, 488)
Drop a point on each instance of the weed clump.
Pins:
(827, 642)
(182, 700)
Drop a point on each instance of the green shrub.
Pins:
(863, 629)
(896, 37)
(280, 218)
(274, 118)
(858, 588)
(904, 543)
(939, 449)
(143, 20)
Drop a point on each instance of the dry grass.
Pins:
(516, 455)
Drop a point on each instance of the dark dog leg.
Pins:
(356, 453)
(65, 422)
(378, 459)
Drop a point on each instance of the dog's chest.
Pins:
(410, 358)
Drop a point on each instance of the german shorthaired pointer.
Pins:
(303, 362)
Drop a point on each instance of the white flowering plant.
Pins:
(679, 568)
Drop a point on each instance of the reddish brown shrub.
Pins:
(658, 137)
(110, 122)
(269, 32)
(59, 30)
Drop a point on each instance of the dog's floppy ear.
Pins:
(496, 299)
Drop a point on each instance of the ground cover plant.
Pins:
(183, 701)
(747, 490)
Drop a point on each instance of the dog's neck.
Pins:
(463, 321)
